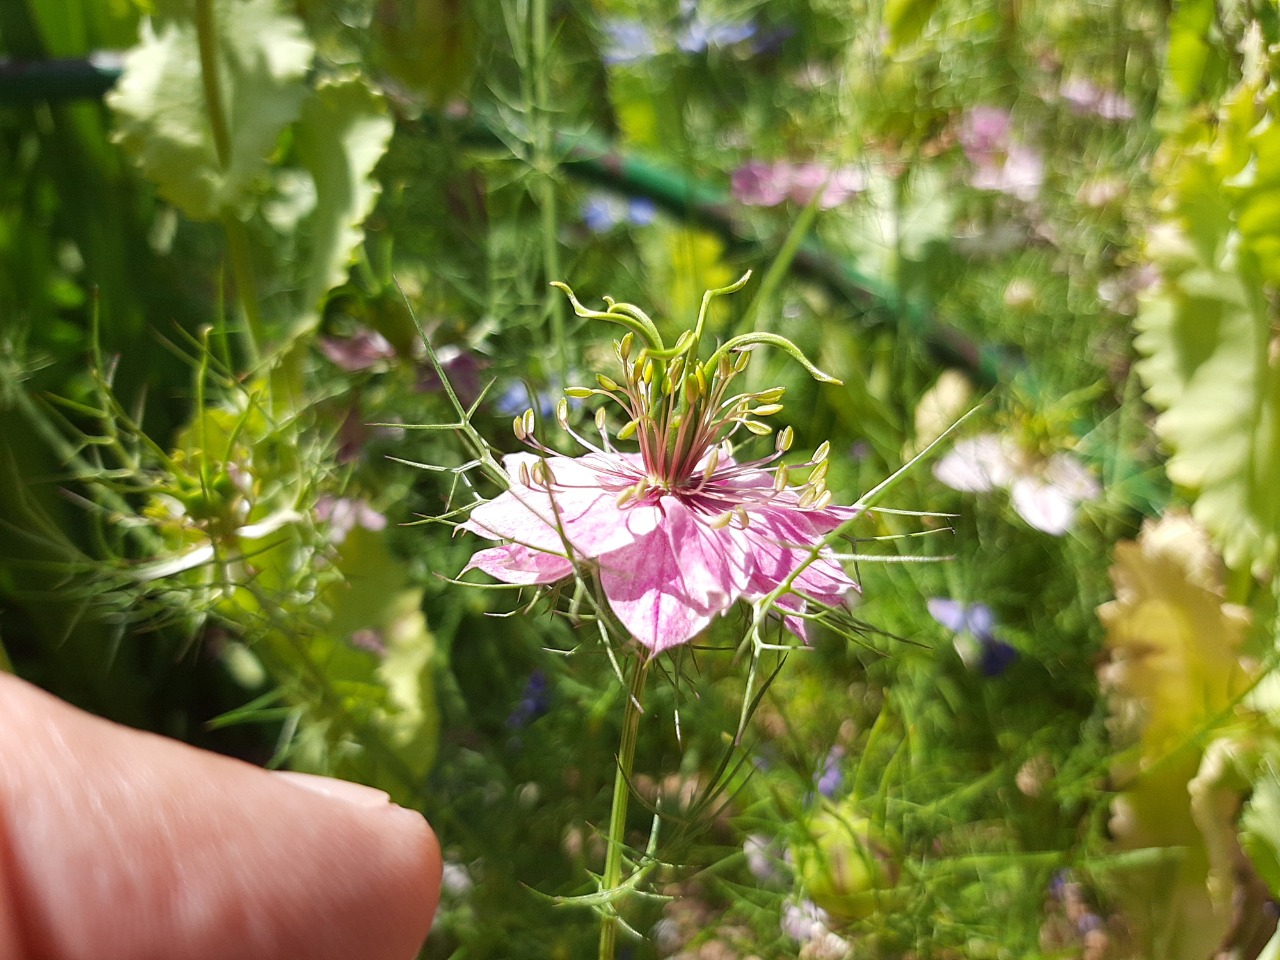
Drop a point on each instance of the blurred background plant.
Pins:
(230, 228)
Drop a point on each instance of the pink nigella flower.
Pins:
(679, 531)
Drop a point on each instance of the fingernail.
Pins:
(354, 793)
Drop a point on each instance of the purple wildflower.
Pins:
(679, 531)
(974, 626)
(534, 701)
(831, 777)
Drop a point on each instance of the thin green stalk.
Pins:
(237, 238)
(545, 164)
(621, 797)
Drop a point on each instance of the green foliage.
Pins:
(1206, 329)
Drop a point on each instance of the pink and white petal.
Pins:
(518, 564)
(1046, 507)
(713, 563)
(602, 527)
(645, 588)
(977, 464)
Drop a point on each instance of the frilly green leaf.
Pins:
(162, 116)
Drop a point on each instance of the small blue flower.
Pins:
(601, 212)
(534, 702)
(700, 32)
(974, 626)
(627, 41)
(831, 778)
(516, 399)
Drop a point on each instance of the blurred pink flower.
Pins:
(760, 184)
(984, 134)
(1020, 175)
(1045, 491)
(1084, 96)
(1000, 162)
(365, 349)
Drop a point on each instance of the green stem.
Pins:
(237, 238)
(545, 164)
(621, 797)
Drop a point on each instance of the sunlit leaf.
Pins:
(906, 20)
(342, 134)
(1205, 329)
(161, 106)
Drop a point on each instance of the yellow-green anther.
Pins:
(628, 430)
(529, 422)
(526, 478)
(820, 454)
(767, 410)
(693, 390)
(819, 473)
(772, 395)
(823, 500)
(600, 419)
(624, 347)
(742, 361)
(725, 368)
(606, 382)
(780, 477)
(517, 427)
(756, 427)
(562, 412)
(721, 521)
(807, 498)
(647, 373)
(744, 518)
(701, 379)
(713, 461)
(578, 393)
(786, 436)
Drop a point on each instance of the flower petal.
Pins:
(1043, 505)
(977, 465)
(516, 563)
(646, 591)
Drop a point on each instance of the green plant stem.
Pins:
(621, 797)
(545, 164)
(237, 238)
